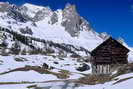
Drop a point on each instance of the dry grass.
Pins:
(23, 82)
(93, 79)
(124, 69)
(63, 74)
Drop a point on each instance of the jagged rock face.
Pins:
(42, 14)
(30, 9)
(24, 11)
(26, 31)
(84, 25)
(71, 20)
(54, 18)
(14, 12)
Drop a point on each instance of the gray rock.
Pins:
(26, 30)
(84, 67)
(45, 66)
(72, 22)
(15, 13)
(54, 18)
(41, 14)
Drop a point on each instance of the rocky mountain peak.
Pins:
(73, 22)
(68, 17)
(70, 11)
(46, 24)
(32, 6)
(42, 14)
(30, 9)
(70, 7)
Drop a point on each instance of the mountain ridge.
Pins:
(69, 25)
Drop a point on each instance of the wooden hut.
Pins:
(108, 53)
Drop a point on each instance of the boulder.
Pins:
(83, 67)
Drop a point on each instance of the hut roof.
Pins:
(108, 40)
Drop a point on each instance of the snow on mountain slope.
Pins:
(56, 32)
(31, 9)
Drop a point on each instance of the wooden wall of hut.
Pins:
(109, 52)
(101, 69)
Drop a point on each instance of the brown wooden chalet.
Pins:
(108, 53)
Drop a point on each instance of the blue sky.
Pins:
(112, 16)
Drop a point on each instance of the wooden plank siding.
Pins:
(109, 52)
